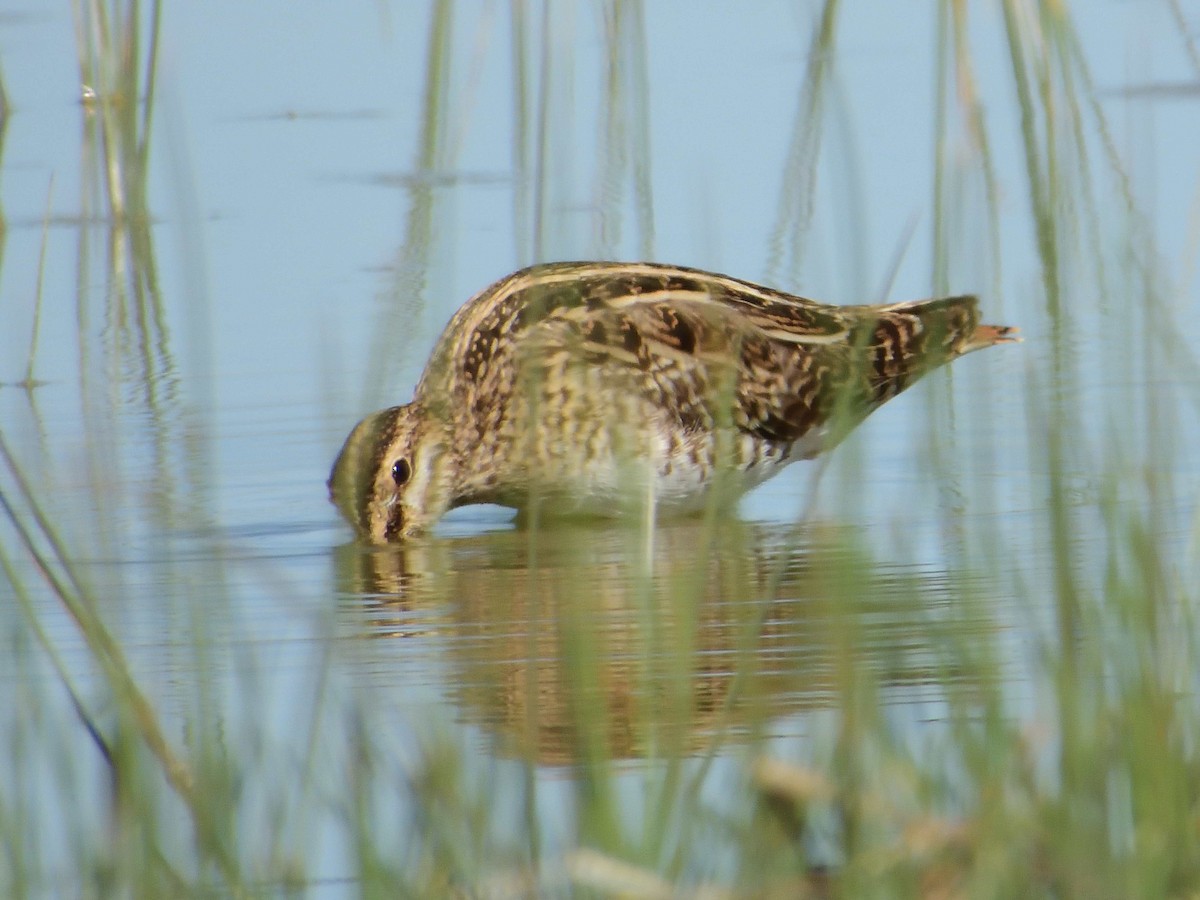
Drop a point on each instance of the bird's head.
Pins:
(394, 474)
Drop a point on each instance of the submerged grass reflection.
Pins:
(665, 643)
(117, 65)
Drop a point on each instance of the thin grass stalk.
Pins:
(1038, 180)
(56, 661)
(90, 400)
(941, 129)
(532, 711)
(639, 78)
(134, 302)
(1072, 70)
(599, 823)
(123, 105)
(120, 95)
(625, 131)
(612, 130)
(5, 107)
(38, 293)
(969, 92)
(105, 649)
(1046, 107)
(552, 70)
(798, 191)
(370, 870)
(468, 84)
(109, 59)
(16, 854)
(104, 88)
(848, 181)
(667, 814)
(405, 296)
(1185, 30)
(5, 110)
(746, 665)
(152, 334)
(530, 378)
(1075, 58)
(306, 789)
(1044, 186)
(522, 124)
(149, 79)
(959, 118)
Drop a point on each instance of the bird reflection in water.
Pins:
(574, 641)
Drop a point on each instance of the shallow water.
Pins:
(314, 225)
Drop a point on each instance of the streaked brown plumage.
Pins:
(592, 387)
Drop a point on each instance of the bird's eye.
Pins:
(401, 472)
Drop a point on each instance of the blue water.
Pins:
(307, 258)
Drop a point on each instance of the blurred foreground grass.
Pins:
(649, 673)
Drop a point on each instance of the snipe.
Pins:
(591, 387)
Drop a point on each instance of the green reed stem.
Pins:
(69, 589)
(37, 297)
(797, 195)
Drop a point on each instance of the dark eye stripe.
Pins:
(375, 447)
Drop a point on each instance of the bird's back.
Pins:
(705, 350)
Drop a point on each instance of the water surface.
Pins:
(325, 188)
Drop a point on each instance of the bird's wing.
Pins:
(706, 349)
(770, 365)
(704, 362)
